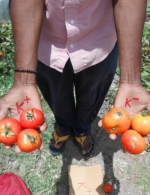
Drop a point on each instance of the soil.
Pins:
(122, 169)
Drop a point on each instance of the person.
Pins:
(70, 50)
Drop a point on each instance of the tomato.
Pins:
(107, 188)
(133, 142)
(31, 118)
(116, 121)
(9, 130)
(141, 123)
(29, 140)
(1, 54)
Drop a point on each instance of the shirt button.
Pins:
(72, 21)
(71, 46)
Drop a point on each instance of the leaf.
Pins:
(144, 73)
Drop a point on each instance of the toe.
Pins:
(84, 151)
(88, 144)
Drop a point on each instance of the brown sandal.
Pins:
(80, 140)
(56, 139)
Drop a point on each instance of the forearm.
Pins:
(129, 20)
(26, 17)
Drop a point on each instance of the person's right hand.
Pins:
(19, 98)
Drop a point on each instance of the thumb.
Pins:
(3, 111)
(100, 123)
(112, 136)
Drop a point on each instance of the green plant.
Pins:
(7, 60)
(146, 54)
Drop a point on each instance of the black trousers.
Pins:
(76, 99)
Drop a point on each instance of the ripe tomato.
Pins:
(141, 123)
(9, 130)
(116, 121)
(1, 54)
(31, 118)
(107, 188)
(29, 140)
(133, 142)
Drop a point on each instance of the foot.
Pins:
(86, 144)
(59, 144)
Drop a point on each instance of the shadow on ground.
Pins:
(102, 154)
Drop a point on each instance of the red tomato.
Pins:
(116, 121)
(107, 188)
(9, 130)
(31, 118)
(29, 140)
(133, 142)
(141, 123)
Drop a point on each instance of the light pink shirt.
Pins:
(82, 30)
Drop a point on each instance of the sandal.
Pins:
(81, 140)
(56, 139)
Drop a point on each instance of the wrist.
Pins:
(127, 80)
(130, 74)
(131, 84)
(24, 78)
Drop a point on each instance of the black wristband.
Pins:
(25, 70)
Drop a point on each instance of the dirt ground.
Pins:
(122, 169)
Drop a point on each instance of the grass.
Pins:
(140, 171)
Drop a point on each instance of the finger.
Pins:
(42, 146)
(42, 143)
(7, 147)
(113, 136)
(146, 139)
(100, 123)
(17, 149)
(43, 127)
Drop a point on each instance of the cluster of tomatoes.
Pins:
(118, 121)
(23, 132)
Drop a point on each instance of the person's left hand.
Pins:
(133, 98)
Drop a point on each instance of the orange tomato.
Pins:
(1, 54)
(141, 123)
(116, 121)
(29, 140)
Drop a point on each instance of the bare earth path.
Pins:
(130, 174)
